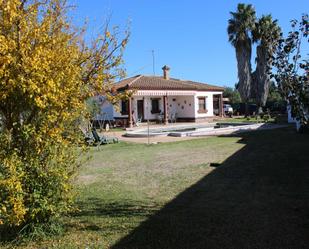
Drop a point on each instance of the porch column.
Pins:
(221, 112)
(130, 113)
(165, 109)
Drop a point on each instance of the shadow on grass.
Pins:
(97, 207)
(117, 211)
(257, 198)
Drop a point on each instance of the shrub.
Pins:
(47, 72)
(266, 117)
(36, 185)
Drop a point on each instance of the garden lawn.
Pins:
(247, 191)
(247, 120)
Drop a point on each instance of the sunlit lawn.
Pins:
(124, 184)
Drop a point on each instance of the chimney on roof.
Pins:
(166, 72)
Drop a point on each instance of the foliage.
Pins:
(266, 117)
(291, 71)
(275, 103)
(93, 107)
(274, 93)
(241, 23)
(232, 94)
(47, 72)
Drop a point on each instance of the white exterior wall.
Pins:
(185, 106)
(147, 107)
(209, 104)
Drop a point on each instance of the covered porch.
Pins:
(165, 107)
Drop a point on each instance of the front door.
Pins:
(140, 109)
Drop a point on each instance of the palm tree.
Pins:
(267, 34)
(239, 30)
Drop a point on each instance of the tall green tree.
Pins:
(232, 94)
(266, 34)
(240, 25)
(291, 70)
(274, 94)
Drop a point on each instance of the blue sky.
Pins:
(189, 36)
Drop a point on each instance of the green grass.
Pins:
(168, 196)
(112, 129)
(248, 120)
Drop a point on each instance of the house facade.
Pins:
(166, 99)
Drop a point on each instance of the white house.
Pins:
(165, 99)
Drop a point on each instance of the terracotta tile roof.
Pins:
(141, 82)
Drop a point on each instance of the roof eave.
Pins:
(175, 89)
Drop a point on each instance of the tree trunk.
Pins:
(247, 113)
(243, 55)
(261, 76)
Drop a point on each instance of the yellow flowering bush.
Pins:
(47, 72)
(12, 208)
